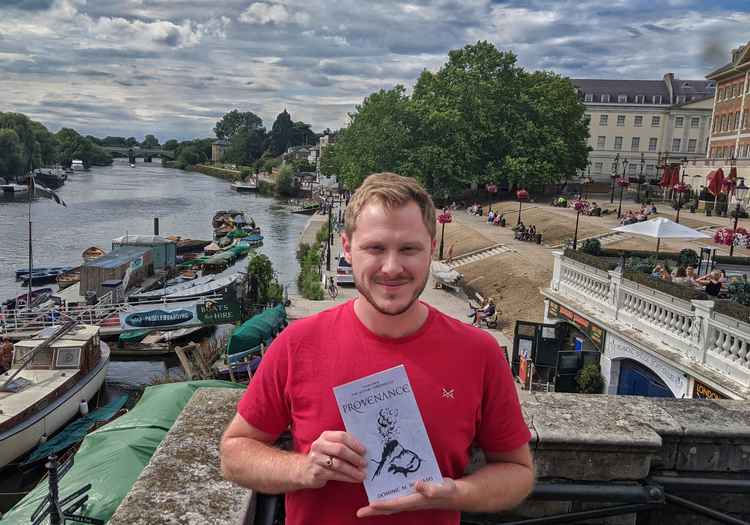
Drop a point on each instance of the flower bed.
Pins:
(727, 236)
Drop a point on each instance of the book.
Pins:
(380, 410)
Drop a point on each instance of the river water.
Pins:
(108, 202)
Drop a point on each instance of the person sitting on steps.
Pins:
(488, 310)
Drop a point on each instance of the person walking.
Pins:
(6, 355)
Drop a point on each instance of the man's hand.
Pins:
(427, 496)
(335, 455)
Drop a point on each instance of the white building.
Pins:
(647, 120)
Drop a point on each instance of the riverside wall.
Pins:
(592, 440)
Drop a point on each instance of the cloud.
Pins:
(272, 13)
(29, 5)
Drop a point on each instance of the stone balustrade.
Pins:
(691, 328)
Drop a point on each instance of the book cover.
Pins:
(381, 412)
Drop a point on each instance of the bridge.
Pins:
(141, 152)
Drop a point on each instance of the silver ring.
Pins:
(329, 462)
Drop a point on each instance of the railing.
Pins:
(692, 328)
(27, 321)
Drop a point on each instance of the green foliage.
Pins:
(234, 122)
(285, 134)
(589, 379)
(285, 185)
(733, 310)
(481, 118)
(74, 146)
(592, 247)
(601, 263)
(25, 144)
(189, 156)
(308, 280)
(12, 163)
(687, 293)
(171, 145)
(264, 286)
(150, 142)
(322, 235)
(739, 292)
(688, 257)
(303, 165)
(641, 264)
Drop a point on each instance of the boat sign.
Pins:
(178, 315)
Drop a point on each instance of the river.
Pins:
(108, 202)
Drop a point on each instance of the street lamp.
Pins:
(740, 192)
(622, 182)
(443, 218)
(640, 178)
(614, 178)
(680, 188)
(329, 240)
(579, 207)
(521, 195)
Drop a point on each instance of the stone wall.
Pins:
(578, 440)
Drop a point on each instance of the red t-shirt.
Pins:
(461, 381)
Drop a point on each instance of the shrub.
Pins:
(285, 181)
(687, 257)
(734, 310)
(676, 290)
(739, 292)
(308, 280)
(589, 379)
(592, 247)
(640, 264)
(597, 262)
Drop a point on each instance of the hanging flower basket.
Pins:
(445, 218)
(680, 187)
(522, 195)
(491, 188)
(582, 206)
(727, 236)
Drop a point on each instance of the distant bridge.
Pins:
(141, 152)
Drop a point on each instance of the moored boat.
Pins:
(37, 297)
(77, 165)
(50, 377)
(89, 254)
(244, 187)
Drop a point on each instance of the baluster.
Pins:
(742, 353)
(675, 322)
(734, 349)
(663, 317)
(727, 345)
(719, 342)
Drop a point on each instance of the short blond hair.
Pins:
(391, 191)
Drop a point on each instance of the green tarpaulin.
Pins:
(260, 328)
(76, 431)
(112, 457)
(134, 336)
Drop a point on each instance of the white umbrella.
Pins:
(661, 228)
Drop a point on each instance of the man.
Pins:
(6, 355)
(459, 377)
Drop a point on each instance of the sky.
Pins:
(172, 68)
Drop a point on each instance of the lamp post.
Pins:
(443, 219)
(680, 188)
(640, 178)
(622, 182)
(579, 206)
(329, 241)
(614, 177)
(740, 192)
(521, 195)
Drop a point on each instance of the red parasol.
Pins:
(715, 181)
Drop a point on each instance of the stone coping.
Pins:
(574, 437)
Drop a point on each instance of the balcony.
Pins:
(709, 337)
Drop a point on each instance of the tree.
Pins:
(589, 379)
(234, 121)
(11, 154)
(170, 145)
(26, 141)
(285, 185)
(150, 142)
(245, 146)
(73, 146)
(264, 287)
(189, 156)
(131, 142)
(46, 144)
(281, 133)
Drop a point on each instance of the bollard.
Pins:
(156, 225)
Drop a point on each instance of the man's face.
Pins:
(390, 254)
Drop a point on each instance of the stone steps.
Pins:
(478, 255)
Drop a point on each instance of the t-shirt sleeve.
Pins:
(501, 427)
(265, 404)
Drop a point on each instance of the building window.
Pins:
(638, 121)
(734, 93)
(680, 99)
(618, 143)
(747, 151)
(692, 143)
(655, 122)
(736, 120)
(656, 99)
(723, 124)
(744, 120)
(695, 122)
(605, 97)
(598, 167)
(640, 99)
(620, 121)
(721, 94)
(631, 168)
(676, 145)
(635, 144)
(679, 122)
(652, 143)
(588, 97)
(716, 121)
(603, 119)
(601, 142)
(622, 99)
(650, 168)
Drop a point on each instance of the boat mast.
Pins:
(31, 258)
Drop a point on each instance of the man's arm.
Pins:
(249, 458)
(501, 484)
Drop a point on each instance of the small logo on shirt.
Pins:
(448, 393)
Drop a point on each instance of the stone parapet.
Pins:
(593, 439)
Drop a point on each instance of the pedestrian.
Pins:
(389, 240)
(6, 355)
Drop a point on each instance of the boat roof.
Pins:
(41, 383)
(70, 294)
(82, 332)
(144, 240)
(117, 257)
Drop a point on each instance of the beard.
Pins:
(367, 294)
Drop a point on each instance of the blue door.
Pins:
(638, 380)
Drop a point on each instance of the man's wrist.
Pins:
(460, 497)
